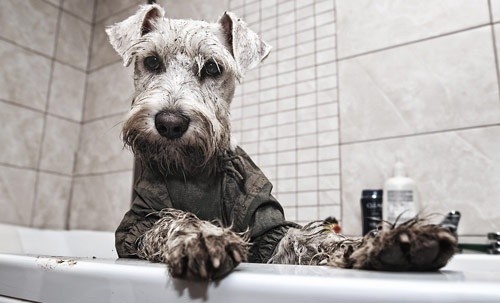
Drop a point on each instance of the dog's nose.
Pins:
(171, 125)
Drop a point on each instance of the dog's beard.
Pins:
(197, 152)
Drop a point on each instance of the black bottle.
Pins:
(371, 209)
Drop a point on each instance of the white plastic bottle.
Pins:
(400, 196)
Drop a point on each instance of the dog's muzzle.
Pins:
(171, 125)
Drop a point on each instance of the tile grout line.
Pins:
(291, 136)
(276, 106)
(34, 169)
(302, 18)
(39, 111)
(483, 25)
(67, 11)
(495, 50)
(44, 120)
(307, 191)
(113, 14)
(295, 109)
(92, 120)
(435, 132)
(288, 110)
(33, 51)
(70, 200)
(339, 129)
(102, 173)
(315, 40)
(259, 3)
(241, 88)
(305, 80)
(103, 66)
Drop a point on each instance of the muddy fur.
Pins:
(192, 248)
(315, 244)
(411, 246)
(197, 249)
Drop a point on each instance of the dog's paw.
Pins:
(408, 247)
(212, 253)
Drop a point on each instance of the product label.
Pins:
(400, 195)
(400, 203)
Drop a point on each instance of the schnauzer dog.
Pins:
(202, 205)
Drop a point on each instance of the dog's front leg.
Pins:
(411, 246)
(192, 248)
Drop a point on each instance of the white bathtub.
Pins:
(33, 269)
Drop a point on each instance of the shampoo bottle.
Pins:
(400, 199)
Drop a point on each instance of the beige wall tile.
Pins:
(369, 25)
(17, 189)
(105, 8)
(52, 200)
(99, 202)
(195, 9)
(20, 136)
(495, 10)
(55, 2)
(74, 40)
(101, 149)
(82, 8)
(31, 23)
(60, 144)
(496, 30)
(102, 53)
(444, 83)
(67, 92)
(24, 76)
(453, 171)
(109, 91)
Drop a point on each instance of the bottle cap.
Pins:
(372, 193)
(399, 166)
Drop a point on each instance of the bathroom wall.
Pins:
(421, 77)
(285, 113)
(347, 84)
(43, 58)
(103, 168)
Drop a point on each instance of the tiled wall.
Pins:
(421, 77)
(43, 58)
(102, 184)
(285, 112)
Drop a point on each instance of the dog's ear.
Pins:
(122, 35)
(245, 45)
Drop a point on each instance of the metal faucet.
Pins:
(494, 239)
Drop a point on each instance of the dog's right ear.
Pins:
(123, 35)
(244, 44)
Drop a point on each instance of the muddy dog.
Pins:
(202, 205)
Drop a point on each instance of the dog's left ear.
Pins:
(123, 34)
(245, 45)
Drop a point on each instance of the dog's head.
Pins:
(185, 73)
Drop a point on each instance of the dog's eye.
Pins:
(212, 69)
(152, 63)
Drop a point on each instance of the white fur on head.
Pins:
(123, 35)
(245, 45)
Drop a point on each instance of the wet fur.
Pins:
(192, 248)
(197, 249)
(411, 246)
